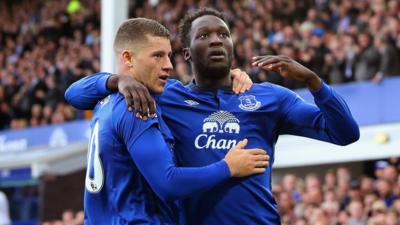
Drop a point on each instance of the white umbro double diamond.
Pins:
(191, 102)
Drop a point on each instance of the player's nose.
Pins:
(167, 66)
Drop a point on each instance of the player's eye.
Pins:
(224, 35)
(203, 36)
(158, 56)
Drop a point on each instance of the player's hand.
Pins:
(244, 162)
(241, 81)
(136, 97)
(288, 68)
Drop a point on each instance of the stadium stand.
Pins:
(343, 41)
(42, 50)
(46, 45)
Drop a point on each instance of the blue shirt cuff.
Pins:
(224, 167)
(323, 94)
(101, 84)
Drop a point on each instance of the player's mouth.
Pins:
(216, 55)
(163, 78)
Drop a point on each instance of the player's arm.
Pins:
(86, 92)
(154, 159)
(330, 121)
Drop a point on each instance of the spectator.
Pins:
(390, 174)
(392, 218)
(378, 213)
(330, 181)
(384, 189)
(367, 62)
(286, 207)
(367, 185)
(289, 184)
(390, 60)
(356, 212)
(379, 168)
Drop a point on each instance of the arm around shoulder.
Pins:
(86, 92)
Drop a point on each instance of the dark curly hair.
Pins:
(186, 23)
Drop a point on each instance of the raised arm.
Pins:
(330, 121)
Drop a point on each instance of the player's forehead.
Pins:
(155, 43)
(208, 22)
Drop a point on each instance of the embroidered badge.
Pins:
(249, 103)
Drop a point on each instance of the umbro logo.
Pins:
(105, 100)
(191, 102)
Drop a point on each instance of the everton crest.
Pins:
(249, 103)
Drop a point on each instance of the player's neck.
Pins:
(212, 80)
(212, 83)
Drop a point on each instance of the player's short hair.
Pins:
(186, 23)
(135, 31)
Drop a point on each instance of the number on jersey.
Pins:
(94, 172)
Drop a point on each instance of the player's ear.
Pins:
(186, 54)
(127, 57)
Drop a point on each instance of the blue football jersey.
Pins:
(115, 190)
(131, 176)
(205, 125)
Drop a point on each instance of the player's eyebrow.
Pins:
(207, 29)
(161, 52)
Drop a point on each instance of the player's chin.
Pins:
(158, 89)
(218, 63)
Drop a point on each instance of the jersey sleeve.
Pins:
(330, 120)
(154, 159)
(86, 92)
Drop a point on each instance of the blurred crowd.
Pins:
(341, 40)
(68, 218)
(336, 197)
(46, 45)
(340, 199)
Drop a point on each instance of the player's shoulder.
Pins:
(172, 89)
(114, 101)
(270, 88)
(173, 83)
(118, 105)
